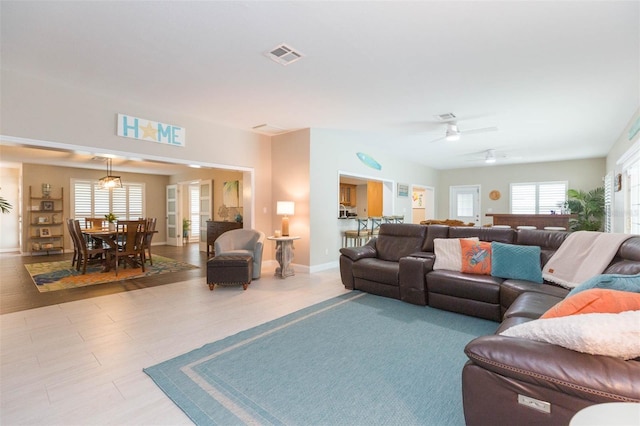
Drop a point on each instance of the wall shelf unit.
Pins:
(46, 222)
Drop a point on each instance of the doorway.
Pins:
(464, 203)
(422, 203)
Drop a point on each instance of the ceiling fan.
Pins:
(453, 133)
(491, 156)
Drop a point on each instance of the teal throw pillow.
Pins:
(610, 281)
(516, 262)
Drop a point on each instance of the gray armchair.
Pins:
(242, 241)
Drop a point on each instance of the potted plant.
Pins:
(589, 207)
(111, 218)
(5, 206)
(186, 224)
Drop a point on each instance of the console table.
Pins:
(215, 229)
(540, 221)
(284, 255)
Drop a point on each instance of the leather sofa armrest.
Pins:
(423, 255)
(591, 377)
(357, 253)
(412, 280)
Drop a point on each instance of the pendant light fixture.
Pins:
(110, 181)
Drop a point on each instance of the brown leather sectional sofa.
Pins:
(507, 380)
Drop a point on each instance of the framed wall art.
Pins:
(403, 190)
(46, 206)
(45, 232)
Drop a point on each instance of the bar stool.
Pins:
(375, 225)
(388, 219)
(555, 228)
(358, 235)
(398, 219)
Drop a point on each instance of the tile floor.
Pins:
(80, 362)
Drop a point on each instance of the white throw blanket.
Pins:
(584, 254)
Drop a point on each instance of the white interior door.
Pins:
(464, 203)
(174, 233)
(206, 210)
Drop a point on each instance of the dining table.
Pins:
(106, 236)
(110, 238)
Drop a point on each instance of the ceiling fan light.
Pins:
(453, 134)
(491, 157)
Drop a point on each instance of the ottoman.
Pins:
(229, 270)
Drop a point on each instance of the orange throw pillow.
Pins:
(595, 300)
(476, 257)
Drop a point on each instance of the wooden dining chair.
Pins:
(87, 250)
(93, 223)
(150, 228)
(130, 238)
(76, 248)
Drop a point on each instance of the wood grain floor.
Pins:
(77, 358)
(18, 292)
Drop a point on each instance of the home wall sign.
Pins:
(147, 130)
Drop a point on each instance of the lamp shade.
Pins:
(110, 181)
(285, 208)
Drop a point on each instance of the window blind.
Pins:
(538, 197)
(89, 200)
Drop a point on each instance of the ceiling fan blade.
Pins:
(438, 140)
(480, 130)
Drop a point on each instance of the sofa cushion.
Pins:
(510, 290)
(516, 262)
(396, 240)
(485, 234)
(433, 232)
(616, 335)
(476, 257)
(448, 253)
(382, 271)
(531, 305)
(595, 300)
(483, 288)
(610, 281)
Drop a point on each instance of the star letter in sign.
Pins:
(149, 132)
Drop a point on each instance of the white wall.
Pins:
(619, 148)
(44, 110)
(581, 174)
(333, 151)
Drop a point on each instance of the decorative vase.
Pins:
(112, 226)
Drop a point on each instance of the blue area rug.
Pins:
(357, 359)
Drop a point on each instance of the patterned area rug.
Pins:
(357, 359)
(52, 276)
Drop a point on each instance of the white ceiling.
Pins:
(559, 79)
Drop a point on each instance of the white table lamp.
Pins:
(285, 208)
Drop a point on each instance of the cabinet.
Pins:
(215, 229)
(347, 194)
(46, 222)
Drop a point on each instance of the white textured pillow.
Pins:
(616, 335)
(448, 253)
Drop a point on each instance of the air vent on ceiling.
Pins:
(446, 117)
(268, 129)
(283, 54)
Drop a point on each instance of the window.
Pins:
(88, 200)
(538, 197)
(194, 210)
(608, 202)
